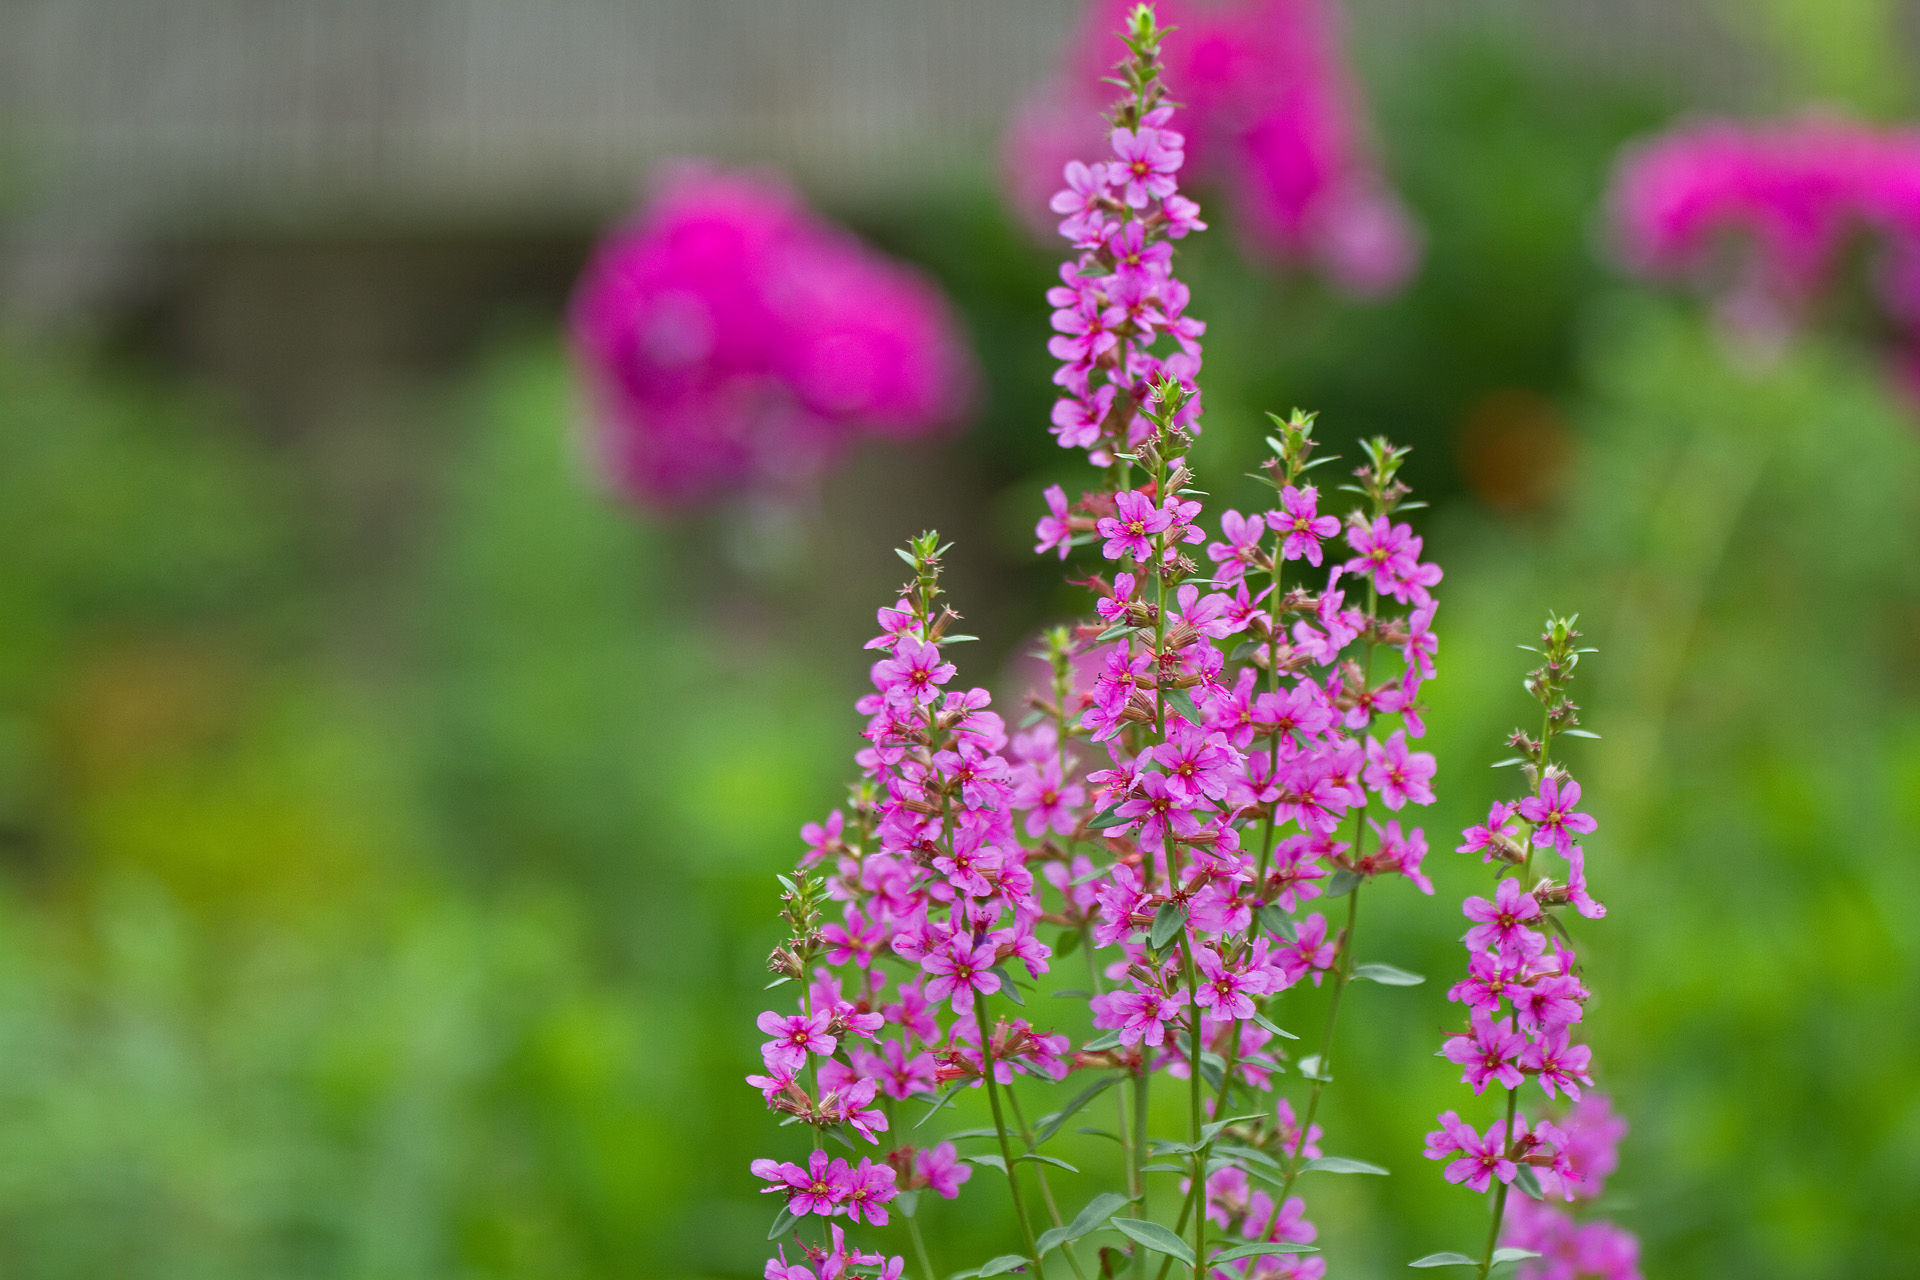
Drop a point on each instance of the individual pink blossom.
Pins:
(1492, 834)
(1052, 529)
(1501, 921)
(1135, 520)
(1482, 1159)
(794, 1037)
(1140, 1016)
(1398, 775)
(1557, 1064)
(1551, 810)
(1304, 528)
(821, 1187)
(941, 1168)
(1490, 1052)
(959, 972)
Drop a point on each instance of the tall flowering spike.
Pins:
(1208, 754)
(1269, 115)
(731, 339)
(1524, 1001)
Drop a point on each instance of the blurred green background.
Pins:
(388, 817)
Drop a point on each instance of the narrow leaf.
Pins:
(1444, 1260)
(777, 982)
(783, 1223)
(1343, 883)
(1254, 1154)
(1513, 1255)
(1097, 1211)
(1208, 1132)
(1067, 943)
(1108, 1134)
(1050, 1239)
(905, 1203)
(1072, 993)
(1263, 1249)
(973, 1133)
(1169, 920)
(942, 1101)
(1340, 1164)
(1278, 923)
(1050, 1125)
(1278, 1030)
(1114, 632)
(1106, 1041)
(1383, 973)
(1528, 1183)
(987, 1162)
(1182, 701)
(1310, 1068)
(1040, 1159)
(1578, 733)
(1157, 1238)
(1001, 1265)
(1166, 1168)
(1110, 818)
(1007, 987)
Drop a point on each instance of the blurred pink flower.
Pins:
(1267, 110)
(729, 338)
(1761, 214)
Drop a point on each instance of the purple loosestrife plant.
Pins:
(1524, 998)
(1217, 750)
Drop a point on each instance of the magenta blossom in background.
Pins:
(729, 338)
(1785, 197)
(1268, 112)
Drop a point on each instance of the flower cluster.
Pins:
(730, 339)
(1215, 750)
(1524, 997)
(1795, 192)
(1571, 1249)
(1271, 116)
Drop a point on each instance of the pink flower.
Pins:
(1146, 164)
(1224, 991)
(960, 971)
(1141, 1016)
(1398, 775)
(1491, 1052)
(1136, 520)
(729, 338)
(1482, 1159)
(1241, 549)
(869, 1187)
(794, 1037)
(1553, 815)
(913, 674)
(1052, 529)
(1299, 520)
(941, 1168)
(821, 1187)
(1501, 921)
(1491, 835)
(1557, 1064)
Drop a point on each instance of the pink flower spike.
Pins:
(1398, 775)
(1052, 529)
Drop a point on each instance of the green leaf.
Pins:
(1102, 821)
(1528, 1183)
(1114, 632)
(1169, 920)
(783, 1223)
(973, 1133)
(1090, 876)
(1004, 1263)
(1157, 1238)
(1007, 988)
(1182, 701)
(1277, 922)
(1501, 764)
(1578, 733)
(1108, 1134)
(1168, 1147)
(1050, 1125)
(987, 1162)
(1072, 993)
(1340, 1164)
(1040, 1159)
(1278, 1030)
(1513, 1255)
(905, 1203)
(1166, 1168)
(1067, 943)
(777, 982)
(1382, 973)
(1086, 1222)
(1208, 1132)
(1107, 1041)
(1444, 1260)
(1253, 1154)
(942, 1101)
(957, 639)
(1343, 883)
(839, 1136)
(1310, 1068)
(1246, 649)
(1263, 1249)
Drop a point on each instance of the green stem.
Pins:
(1046, 1191)
(920, 1248)
(1342, 975)
(1500, 1196)
(1000, 1128)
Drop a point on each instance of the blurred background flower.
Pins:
(388, 811)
